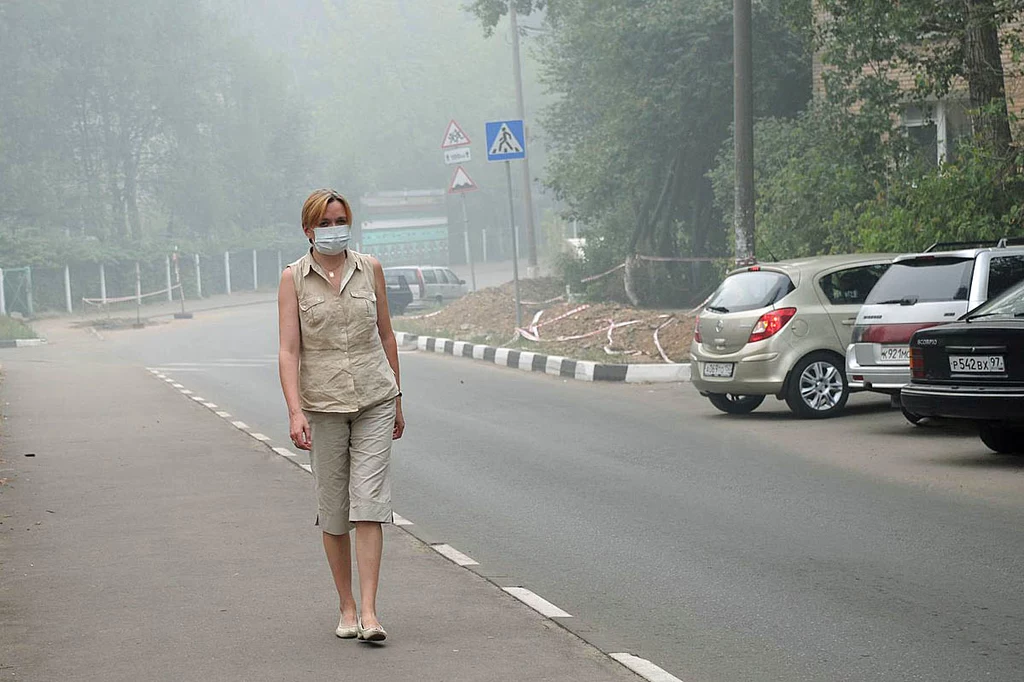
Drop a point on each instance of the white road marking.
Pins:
(307, 467)
(400, 520)
(176, 385)
(454, 554)
(185, 391)
(223, 415)
(285, 452)
(644, 668)
(212, 406)
(536, 602)
(260, 437)
(198, 399)
(240, 425)
(169, 380)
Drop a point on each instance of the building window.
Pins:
(934, 130)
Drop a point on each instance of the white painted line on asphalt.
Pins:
(400, 520)
(169, 380)
(198, 399)
(454, 554)
(644, 668)
(285, 452)
(185, 391)
(212, 406)
(177, 385)
(240, 425)
(223, 415)
(307, 467)
(537, 603)
(260, 437)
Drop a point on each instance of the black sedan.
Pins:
(974, 369)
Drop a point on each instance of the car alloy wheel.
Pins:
(818, 387)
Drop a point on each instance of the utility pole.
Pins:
(743, 111)
(531, 234)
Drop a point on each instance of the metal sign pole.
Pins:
(3, 299)
(469, 246)
(515, 244)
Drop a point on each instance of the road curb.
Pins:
(558, 366)
(22, 343)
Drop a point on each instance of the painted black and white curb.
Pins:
(21, 343)
(640, 666)
(554, 365)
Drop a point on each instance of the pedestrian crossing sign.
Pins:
(505, 141)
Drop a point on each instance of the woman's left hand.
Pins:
(399, 422)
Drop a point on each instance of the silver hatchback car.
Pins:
(782, 329)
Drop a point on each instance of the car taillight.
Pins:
(916, 363)
(771, 323)
(696, 330)
(888, 333)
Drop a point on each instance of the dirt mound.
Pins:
(604, 332)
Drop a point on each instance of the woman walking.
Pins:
(338, 361)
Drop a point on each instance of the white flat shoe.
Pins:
(347, 631)
(374, 634)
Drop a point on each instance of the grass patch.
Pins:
(11, 329)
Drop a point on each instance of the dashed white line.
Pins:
(176, 385)
(455, 555)
(537, 603)
(185, 391)
(284, 452)
(400, 520)
(198, 399)
(644, 668)
(212, 406)
(307, 467)
(223, 415)
(240, 425)
(260, 437)
(169, 380)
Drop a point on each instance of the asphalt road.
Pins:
(759, 548)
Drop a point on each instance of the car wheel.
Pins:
(735, 404)
(817, 387)
(1001, 439)
(914, 419)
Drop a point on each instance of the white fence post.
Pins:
(483, 239)
(138, 284)
(103, 284)
(67, 288)
(167, 265)
(199, 278)
(227, 272)
(255, 272)
(3, 299)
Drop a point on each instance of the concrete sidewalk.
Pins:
(143, 538)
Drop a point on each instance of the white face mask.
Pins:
(331, 241)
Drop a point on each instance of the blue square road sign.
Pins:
(506, 141)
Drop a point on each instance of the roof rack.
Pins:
(949, 246)
(1009, 241)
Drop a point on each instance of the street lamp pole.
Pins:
(743, 111)
(531, 235)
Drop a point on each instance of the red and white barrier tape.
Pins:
(657, 343)
(124, 299)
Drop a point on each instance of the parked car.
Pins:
(782, 329)
(399, 293)
(431, 283)
(974, 369)
(920, 291)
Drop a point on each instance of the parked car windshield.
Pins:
(924, 280)
(749, 291)
(1010, 303)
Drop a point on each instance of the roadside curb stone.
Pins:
(21, 343)
(554, 365)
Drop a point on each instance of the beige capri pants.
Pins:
(351, 459)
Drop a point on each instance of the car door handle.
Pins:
(850, 322)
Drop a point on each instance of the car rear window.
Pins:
(750, 291)
(924, 280)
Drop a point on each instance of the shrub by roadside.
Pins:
(12, 329)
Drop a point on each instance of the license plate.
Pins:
(718, 369)
(896, 353)
(977, 364)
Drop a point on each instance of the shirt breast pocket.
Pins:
(367, 302)
(311, 310)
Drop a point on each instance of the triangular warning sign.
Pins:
(505, 142)
(461, 182)
(454, 136)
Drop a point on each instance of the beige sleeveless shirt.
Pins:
(342, 366)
